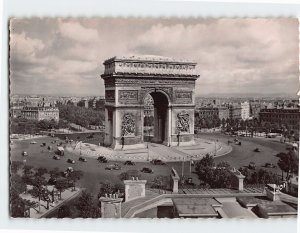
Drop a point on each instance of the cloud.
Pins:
(233, 55)
(76, 32)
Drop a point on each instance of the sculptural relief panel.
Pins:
(128, 125)
(183, 122)
(184, 97)
(128, 96)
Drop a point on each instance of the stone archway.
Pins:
(171, 84)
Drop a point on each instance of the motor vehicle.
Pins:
(238, 143)
(252, 165)
(102, 159)
(70, 169)
(59, 144)
(49, 148)
(60, 151)
(43, 144)
(33, 142)
(71, 161)
(56, 157)
(269, 165)
(53, 142)
(256, 150)
(81, 159)
(129, 162)
(113, 167)
(24, 153)
(147, 170)
(157, 162)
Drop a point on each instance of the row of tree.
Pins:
(23, 175)
(80, 115)
(26, 126)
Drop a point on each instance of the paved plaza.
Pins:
(155, 151)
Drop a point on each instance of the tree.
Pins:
(61, 185)
(15, 166)
(74, 177)
(41, 171)
(129, 174)
(39, 189)
(288, 162)
(206, 161)
(160, 182)
(86, 206)
(106, 188)
(64, 212)
(17, 186)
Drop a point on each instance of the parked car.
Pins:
(157, 162)
(24, 153)
(238, 143)
(269, 165)
(71, 161)
(56, 157)
(82, 159)
(102, 159)
(256, 150)
(147, 170)
(129, 162)
(43, 144)
(113, 167)
(252, 165)
(33, 142)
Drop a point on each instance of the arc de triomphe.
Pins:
(171, 83)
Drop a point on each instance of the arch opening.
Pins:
(156, 117)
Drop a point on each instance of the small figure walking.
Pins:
(122, 141)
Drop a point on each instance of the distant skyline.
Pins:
(64, 56)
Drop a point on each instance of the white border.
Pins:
(85, 8)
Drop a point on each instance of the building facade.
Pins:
(40, 113)
(235, 111)
(207, 112)
(245, 110)
(223, 113)
(290, 117)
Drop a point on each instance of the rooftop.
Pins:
(196, 207)
(155, 58)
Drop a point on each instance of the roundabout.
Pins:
(155, 151)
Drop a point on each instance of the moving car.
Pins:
(256, 150)
(157, 162)
(24, 153)
(129, 162)
(82, 159)
(33, 142)
(56, 157)
(71, 161)
(252, 165)
(147, 170)
(113, 167)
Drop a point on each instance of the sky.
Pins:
(64, 56)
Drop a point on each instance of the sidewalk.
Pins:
(66, 196)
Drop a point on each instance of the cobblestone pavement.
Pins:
(155, 151)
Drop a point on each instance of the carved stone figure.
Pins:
(183, 122)
(128, 125)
